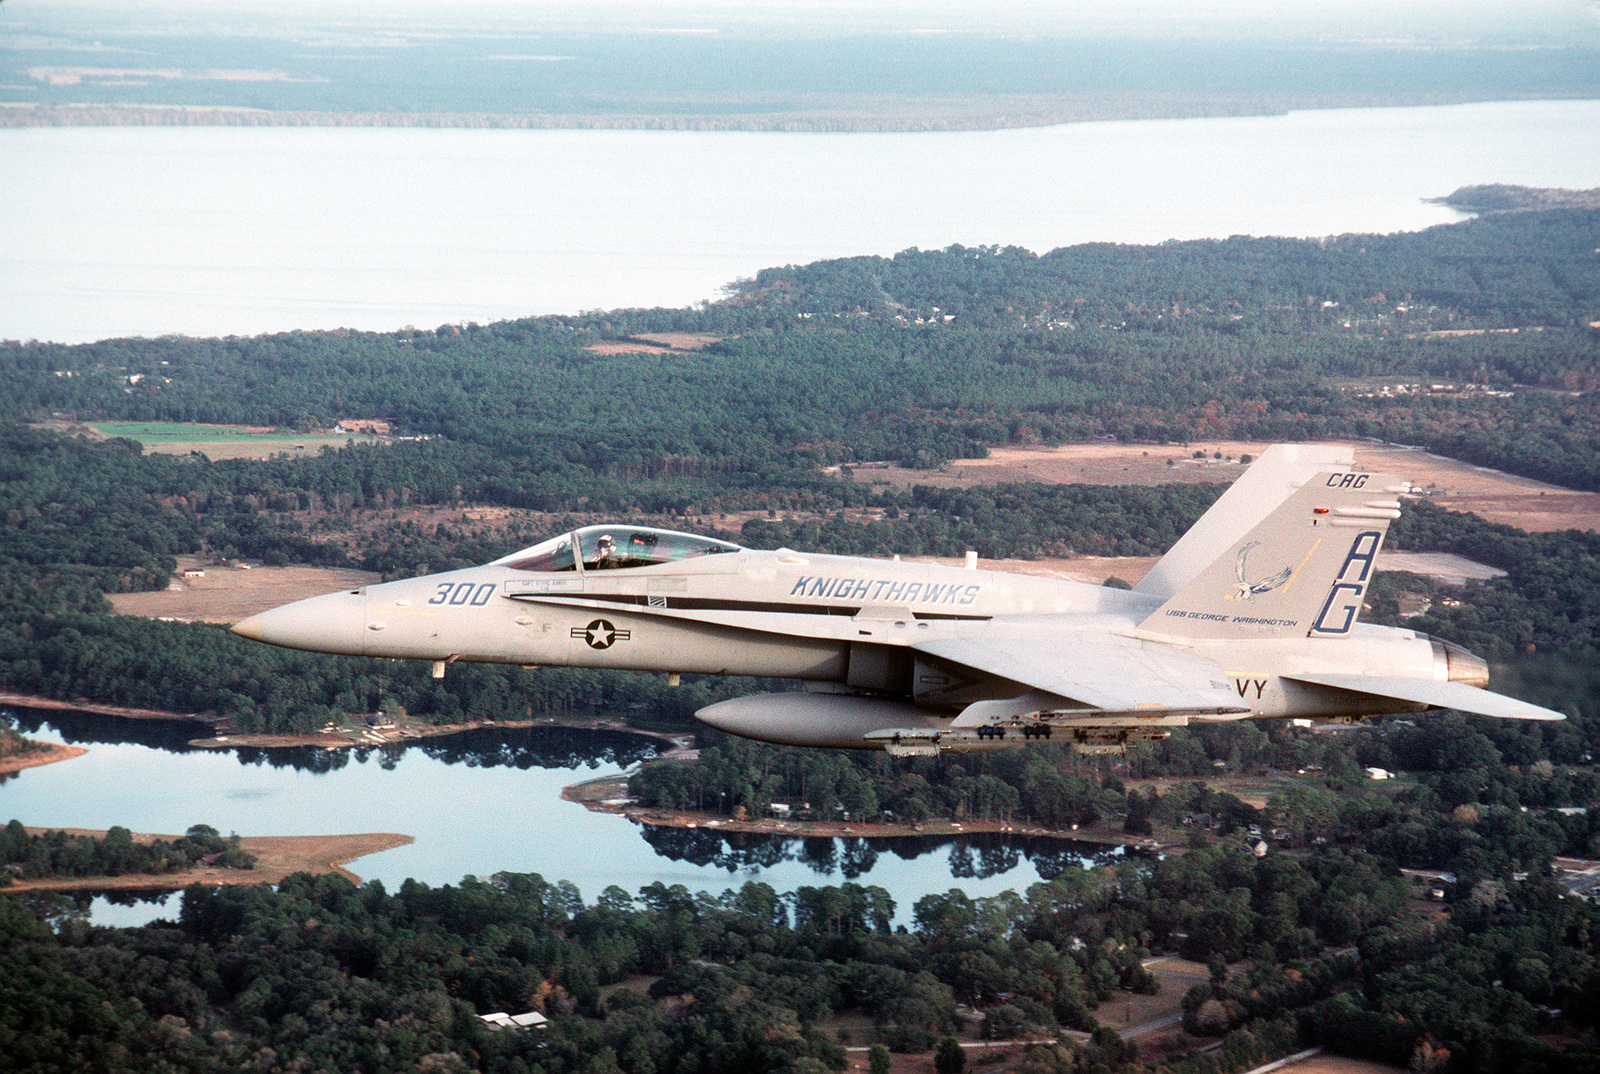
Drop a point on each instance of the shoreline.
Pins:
(331, 740)
(854, 113)
(277, 857)
(97, 708)
(405, 736)
(53, 752)
(608, 794)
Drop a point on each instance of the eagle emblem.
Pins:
(1248, 590)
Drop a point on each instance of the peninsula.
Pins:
(276, 857)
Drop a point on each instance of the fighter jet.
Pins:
(1253, 614)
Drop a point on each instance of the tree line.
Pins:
(58, 854)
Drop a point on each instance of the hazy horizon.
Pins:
(1484, 22)
(808, 66)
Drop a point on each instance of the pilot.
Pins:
(605, 552)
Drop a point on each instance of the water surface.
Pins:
(479, 803)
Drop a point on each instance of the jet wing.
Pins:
(1099, 672)
(1435, 694)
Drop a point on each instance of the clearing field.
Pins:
(215, 441)
(1337, 1064)
(655, 343)
(229, 594)
(1499, 497)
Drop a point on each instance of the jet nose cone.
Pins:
(335, 623)
(248, 628)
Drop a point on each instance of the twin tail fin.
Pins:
(1301, 571)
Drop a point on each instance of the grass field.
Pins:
(221, 441)
(167, 431)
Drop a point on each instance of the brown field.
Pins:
(229, 594)
(655, 343)
(1091, 569)
(1337, 1064)
(1254, 790)
(277, 856)
(219, 450)
(1499, 497)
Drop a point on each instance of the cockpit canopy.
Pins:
(603, 548)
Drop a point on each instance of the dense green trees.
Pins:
(332, 975)
(56, 854)
(736, 776)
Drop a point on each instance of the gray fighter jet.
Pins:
(1251, 615)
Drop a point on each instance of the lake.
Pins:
(236, 231)
(478, 803)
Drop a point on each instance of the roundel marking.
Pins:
(600, 634)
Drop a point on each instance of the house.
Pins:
(501, 1020)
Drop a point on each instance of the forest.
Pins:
(57, 854)
(1475, 340)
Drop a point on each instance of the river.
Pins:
(116, 231)
(477, 803)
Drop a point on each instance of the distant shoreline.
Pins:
(834, 114)
(50, 704)
(388, 736)
(604, 795)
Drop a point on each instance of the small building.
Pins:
(369, 426)
(501, 1020)
(1379, 773)
(194, 572)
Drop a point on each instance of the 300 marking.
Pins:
(459, 593)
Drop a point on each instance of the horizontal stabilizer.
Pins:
(1435, 694)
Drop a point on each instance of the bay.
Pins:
(478, 803)
(241, 230)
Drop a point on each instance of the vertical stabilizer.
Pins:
(1269, 481)
(1303, 570)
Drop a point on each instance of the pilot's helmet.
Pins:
(606, 542)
